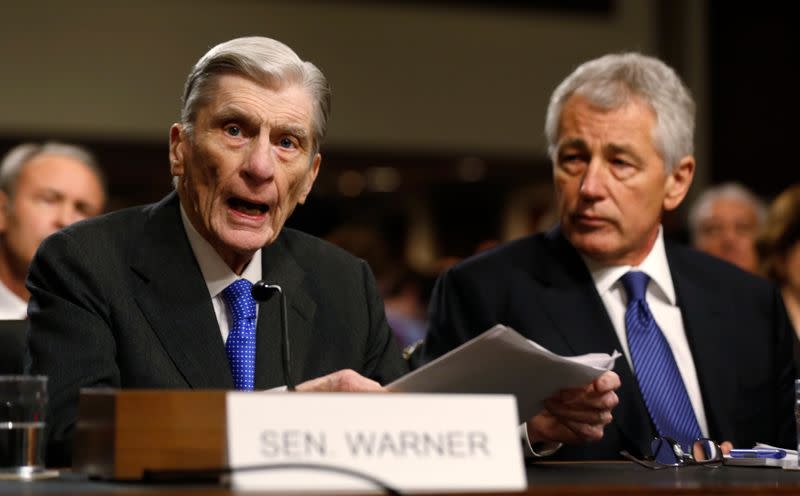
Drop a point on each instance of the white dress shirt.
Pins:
(662, 301)
(217, 274)
(12, 307)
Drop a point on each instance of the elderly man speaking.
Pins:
(159, 296)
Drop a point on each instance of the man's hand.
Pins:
(345, 380)
(576, 415)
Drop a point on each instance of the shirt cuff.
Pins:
(536, 449)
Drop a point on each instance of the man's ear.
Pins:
(678, 182)
(310, 178)
(4, 207)
(177, 145)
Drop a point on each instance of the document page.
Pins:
(502, 361)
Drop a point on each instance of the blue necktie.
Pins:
(241, 343)
(656, 371)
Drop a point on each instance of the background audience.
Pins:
(724, 222)
(779, 249)
(43, 187)
(405, 291)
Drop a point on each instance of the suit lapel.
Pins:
(279, 267)
(704, 320)
(577, 310)
(573, 302)
(173, 297)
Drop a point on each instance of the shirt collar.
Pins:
(216, 272)
(654, 265)
(12, 306)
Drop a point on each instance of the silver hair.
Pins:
(701, 208)
(264, 61)
(13, 162)
(613, 80)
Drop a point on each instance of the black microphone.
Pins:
(262, 292)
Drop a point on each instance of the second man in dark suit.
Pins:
(707, 346)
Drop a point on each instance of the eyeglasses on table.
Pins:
(667, 452)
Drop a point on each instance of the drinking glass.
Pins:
(23, 402)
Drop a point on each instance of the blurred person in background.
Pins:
(778, 248)
(43, 187)
(405, 291)
(406, 301)
(724, 222)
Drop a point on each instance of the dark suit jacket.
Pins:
(12, 345)
(119, 301)
(737, 328)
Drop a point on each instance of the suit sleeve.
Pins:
(459, 310)
(70, 340)
(383, 362)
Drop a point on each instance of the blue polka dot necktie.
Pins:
(241, 343)
(656, 371)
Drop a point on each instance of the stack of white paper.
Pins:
(502, 361)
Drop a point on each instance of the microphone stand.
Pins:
(262, 292)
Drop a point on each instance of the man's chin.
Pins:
(245, 242)
(249, 242)
(597, 246)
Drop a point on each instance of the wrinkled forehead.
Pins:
(583, 119)
(214, 91)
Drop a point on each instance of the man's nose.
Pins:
(593, 180)
(728, 235)
(260, 162)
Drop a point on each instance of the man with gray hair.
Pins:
(620, 131)
(724, 221)
(159, 296)
(43, 188)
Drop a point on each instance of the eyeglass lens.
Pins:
(667, 451)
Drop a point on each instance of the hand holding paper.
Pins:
(576, 415)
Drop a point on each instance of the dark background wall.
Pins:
(436, 135)
(754, 65)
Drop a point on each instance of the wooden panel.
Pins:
(120, 434)
(93, 451)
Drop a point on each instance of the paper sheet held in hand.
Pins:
(502, 361)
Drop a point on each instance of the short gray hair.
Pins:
(701, 208)
(612, 80)
(264, 61)
(16, 158)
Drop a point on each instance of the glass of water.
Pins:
(23, 402)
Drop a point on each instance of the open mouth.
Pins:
(247, 207)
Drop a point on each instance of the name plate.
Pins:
(410, 442)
